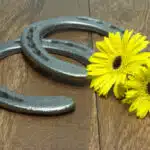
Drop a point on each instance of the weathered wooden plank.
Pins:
(77, 130)
(118, 130)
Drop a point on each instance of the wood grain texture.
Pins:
(75, 131)
(118, 129)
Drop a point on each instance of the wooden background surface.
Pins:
(97, 123)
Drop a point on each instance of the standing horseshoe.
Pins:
(32, 44)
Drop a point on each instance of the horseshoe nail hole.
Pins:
(113, 27)
(34, 28)
(38, 52)
(4, 94)
(83, 18)
(32, 45)
(54, 41)
(10, 96)
(28, 37)
(69, 44)
(31, 30)
(100, 22)
(44, 57)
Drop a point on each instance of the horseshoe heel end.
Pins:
(39, 105)
(47, 105)
(35, 105)
(9, 48)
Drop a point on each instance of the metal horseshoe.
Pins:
(32, 44)
(32, 47)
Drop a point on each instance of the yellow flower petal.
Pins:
(101, 46)
(95, 60)
(140, 57)
(134, 84)
(131, 94)
(119, 89)
(127, 101)
(97, 81)
(107, 85)
(116, 42)
(141, 106)
(100, 55)
(137, 43)
(107, 41)
(126, 37)
(139, 47)
(98, 72)
(93, 67)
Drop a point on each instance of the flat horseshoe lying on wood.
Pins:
(32, 47)
(37, 105)
(32, 44)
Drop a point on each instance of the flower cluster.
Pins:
(121, 64)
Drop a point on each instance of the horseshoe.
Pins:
(32, 44)
(32, 48)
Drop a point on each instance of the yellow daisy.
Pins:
(138, 93)
(118, 56)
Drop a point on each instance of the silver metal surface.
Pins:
(78, 52)
(35, 105)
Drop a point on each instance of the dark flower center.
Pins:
(117, 62)
(148, 88)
